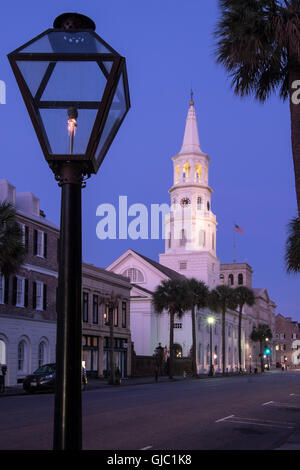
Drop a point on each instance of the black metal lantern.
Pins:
(76, 91)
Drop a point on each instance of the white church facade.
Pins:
(191, 251)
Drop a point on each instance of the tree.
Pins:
(244, 296)
(171, 295)
(12, 249)
(258, 43)
(292, 249)
(198, 297)
(111, 300)
(220, 300)
(259, 335)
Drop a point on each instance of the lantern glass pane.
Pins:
(67, 42)
(116, 113)
(33, 73)
(55, 123)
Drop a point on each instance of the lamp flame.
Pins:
(72, 126)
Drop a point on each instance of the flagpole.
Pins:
(234, 244)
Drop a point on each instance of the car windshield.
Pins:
(46, 369)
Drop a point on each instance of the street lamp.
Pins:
(75, 88)
(211, 321)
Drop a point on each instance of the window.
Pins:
(116, 315)
(135, 275)
(182, 265)
(208, 205)
(178, 325)
(2, 352)
(186, 172)
(230, 279)
(124, 314)
(42, 353)
(183, 238)
(39, 295)
(202, 237)
(2, 288)
(200, 353)
(177, 174)
(20, 292)
(198, 173)
(229, 331)
(208, 354)
(85, 309)
(240, 279)
(199, 203)
(21, 355)
(216, 356)
(277, 347)
(40, 243)
(199, 323)
(107, 312)
(294, 336)
(170, 240)
(95, 309)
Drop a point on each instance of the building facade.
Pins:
(28, 301)
(191, 251)
(287, 341)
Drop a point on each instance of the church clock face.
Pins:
(185, 201)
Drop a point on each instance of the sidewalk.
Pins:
(98, 383)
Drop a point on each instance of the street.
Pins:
(232, 413)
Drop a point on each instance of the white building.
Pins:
(190, 251)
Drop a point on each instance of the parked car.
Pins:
(42, 379)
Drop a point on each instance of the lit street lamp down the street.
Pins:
(75, 89)
(211, 321)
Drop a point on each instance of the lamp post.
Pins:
(250, 357)
(75, 88)
(211, 321)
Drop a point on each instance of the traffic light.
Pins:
(268, 351)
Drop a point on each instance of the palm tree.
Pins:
(292, 250)
(220, 300)
(171, 295)
(259, 335)
(244, 296)
(258, 43)
(198, 297)
(12, 249)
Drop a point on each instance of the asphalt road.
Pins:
(232, 413)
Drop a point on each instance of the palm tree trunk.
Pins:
(294, 75)
(223, 343)
(240, 338)
(171, 361)
(194, 359)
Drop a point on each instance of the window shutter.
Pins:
(44, 296)
(35, 242)
(14, 299)
(26, 238)
(45, 245)
(6, 289)
(34, 295)
(26, 293)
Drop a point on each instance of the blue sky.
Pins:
(169, 48)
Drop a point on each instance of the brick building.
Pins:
(287, 341)
(28, 301)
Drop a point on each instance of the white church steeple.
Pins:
(190, 228)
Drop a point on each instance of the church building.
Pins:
(191, 252)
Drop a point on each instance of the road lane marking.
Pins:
(284, 405)
(267, 403)
(146, 448)
(224, 419)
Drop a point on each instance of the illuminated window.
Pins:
(177, 174)
(198, 173)
(186, 172)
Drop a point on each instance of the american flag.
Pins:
(238, 229)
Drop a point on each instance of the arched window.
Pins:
(202, 237)
(183, 238)
(199, 203)
(2, 352)
(177, 174)
(240, 279)
(230, 279)
(208, 205)
(186, 172)
(21, 355)
(198, 173)
(135, 275)
(42, 359)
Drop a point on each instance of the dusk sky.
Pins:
(169, 47)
